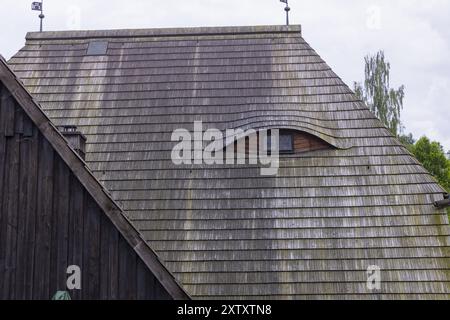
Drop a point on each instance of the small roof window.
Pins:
(97, 48)
(285, 143)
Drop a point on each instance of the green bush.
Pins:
(431, 154)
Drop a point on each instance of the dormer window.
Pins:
(290, 142)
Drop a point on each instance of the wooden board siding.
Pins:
(226, 231)
(48, 221)
(304, 142)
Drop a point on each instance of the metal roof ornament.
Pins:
(287, 9)
(39, 6)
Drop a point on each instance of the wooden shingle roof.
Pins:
(226, 231)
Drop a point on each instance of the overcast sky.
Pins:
(415, 35)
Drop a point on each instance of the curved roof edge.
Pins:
(337, 143)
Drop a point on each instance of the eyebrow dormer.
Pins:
(294, 141)
(290, 142)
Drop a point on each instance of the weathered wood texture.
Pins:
(48, 221)
(301, 142)
(226, 231)
(304, 142)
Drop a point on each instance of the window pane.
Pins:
(286, 143)
(97, 48)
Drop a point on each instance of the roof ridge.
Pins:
(162, 32)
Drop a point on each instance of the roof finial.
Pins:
(39, 6)
(287, 9)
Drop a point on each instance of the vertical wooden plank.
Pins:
(9, 112)
(28, 127)
(91, 253)
(7, 243)
(43, 229)
(123, 271)
(127, 271)
(113, 270)
(2, 188)
(85, 250)
(148, 287)
(144, 281)
(31, 205)
(53, 260)
(63, 225)
(59, 250)
(4, 249)
(22, 213)
(75, 252)
(11, 206)
(37, 286)
(18, 125)
(105, 231)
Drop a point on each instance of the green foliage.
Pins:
(433, 158)
(385, 102)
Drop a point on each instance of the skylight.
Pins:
(97, 48)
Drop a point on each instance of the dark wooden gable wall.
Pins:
(48, 221)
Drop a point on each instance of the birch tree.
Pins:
(385, 102)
